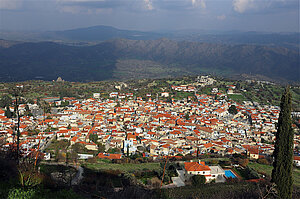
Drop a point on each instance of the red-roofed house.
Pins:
(109, 156)
(198, 168)
(297, 160)
(2, 112)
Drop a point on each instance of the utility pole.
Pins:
(163, 173)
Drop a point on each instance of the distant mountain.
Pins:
(89, 34)
(101, 33)
(96, 34)
(125, 59)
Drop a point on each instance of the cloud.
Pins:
(93, 3)
(263, 6)
(75, 6)
(242, 5)
(221, 17)
(70, 9)
(10, 4)
(197, 3)
(89, 6)
(148, 5)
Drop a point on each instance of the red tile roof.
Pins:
(195, 166)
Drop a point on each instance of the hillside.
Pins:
(126, 59)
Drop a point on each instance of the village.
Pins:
(156, 128)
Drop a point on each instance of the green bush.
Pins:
(251, 173)
(263, 161)
(198, 180)
(21, 193)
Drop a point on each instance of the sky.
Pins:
(151, 15)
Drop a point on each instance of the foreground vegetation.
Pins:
(107, 179)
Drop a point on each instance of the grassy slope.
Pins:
(122, 167)
(268, 170)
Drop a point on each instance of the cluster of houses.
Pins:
(184, 88)
(205, 80)
(154, 127)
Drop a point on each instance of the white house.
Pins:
(210, 172)
(165, 94)
(96, 95)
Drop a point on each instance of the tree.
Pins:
(101, 148)
(8, 113)
(93, 137)
(186, 116)
(198, 180)
(64, 103)
(27, 111)
(282, 174)
(232, 110)
(263, 161)
(78, 148)
(45, 106)
(5, 101)
(114, 150)
(238, 86)
(127, 150)
(243, 162)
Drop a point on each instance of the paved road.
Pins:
(178, 182)
(79, 175)
(47, 144)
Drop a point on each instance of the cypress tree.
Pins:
(282, 174)
(127, 150)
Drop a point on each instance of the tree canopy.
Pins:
(5, 101)
(198, 180)
(232, 110)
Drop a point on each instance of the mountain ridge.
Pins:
(102, 33)
(24, 61)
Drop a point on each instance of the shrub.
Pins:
(155, 182)
(263, 161)
(20, 193)
(92, 160)
(232, 180)
(198, 180)
(30, 178)
(251, 173)
(243, 162)
(214, 161)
